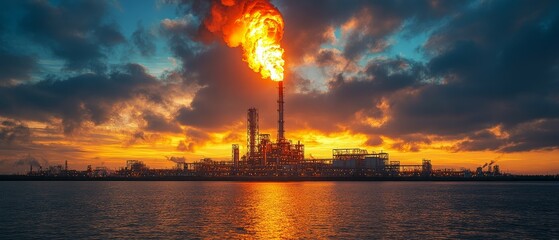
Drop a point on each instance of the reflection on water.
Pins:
(312, 210)
(287, 210)
(270, 216)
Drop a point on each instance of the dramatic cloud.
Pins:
(15, 68)
(182, 38)
(493, 65)
(539, 134)
(360, 97)
(476, 78)
(229, 88)
(366, 24)
(405, 76)
(75, 31)
(83, 98)
(239, 88)
(159, 123)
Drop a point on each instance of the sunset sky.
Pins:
(458, 82)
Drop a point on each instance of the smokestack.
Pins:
(280, 112)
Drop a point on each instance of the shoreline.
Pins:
(282, 178)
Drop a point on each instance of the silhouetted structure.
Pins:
(265, 157)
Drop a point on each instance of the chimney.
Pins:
(280, 112)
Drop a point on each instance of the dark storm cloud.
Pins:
(491, 64)
(144, 41)
(539, 134)
(158, 123)
(308, 21)
(480, 141)
(83, 98)
(304, 32)
(347, 97)
(228, 86)
(183, 40)
(15, 68)
(229, 89)
(497, 65)
(75, 31)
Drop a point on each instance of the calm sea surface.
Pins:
(308, 210)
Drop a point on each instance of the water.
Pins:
(307, 210)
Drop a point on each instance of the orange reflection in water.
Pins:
(286, 210)
(272, 217)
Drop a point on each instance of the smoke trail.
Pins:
(28, 160)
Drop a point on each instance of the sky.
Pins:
(461, 83)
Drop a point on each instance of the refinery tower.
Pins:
(261, 150)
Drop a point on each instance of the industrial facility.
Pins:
(281, 158)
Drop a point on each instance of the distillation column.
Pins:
(252, 134)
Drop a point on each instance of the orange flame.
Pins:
(256, 26)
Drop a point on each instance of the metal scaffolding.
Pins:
(252, 132)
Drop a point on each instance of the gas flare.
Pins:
(256, 26)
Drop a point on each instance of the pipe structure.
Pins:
(252, 132)
(280, 112)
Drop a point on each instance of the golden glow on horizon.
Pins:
(105, 146)
(112, 144)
